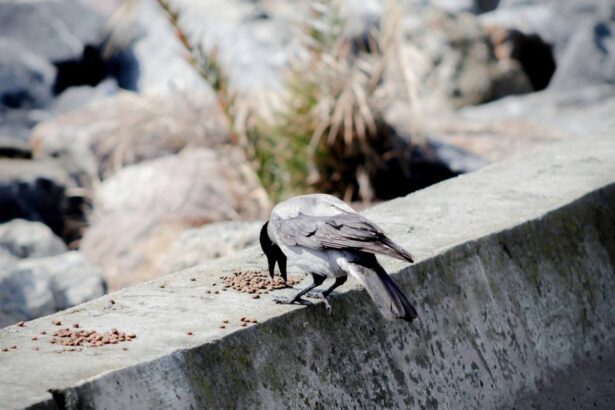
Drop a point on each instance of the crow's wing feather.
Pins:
(343, 231)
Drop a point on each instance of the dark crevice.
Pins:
(535, 56)
(92, 67)
(59, 398)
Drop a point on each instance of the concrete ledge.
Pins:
(514, 288)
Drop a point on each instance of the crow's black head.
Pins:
(273, 252)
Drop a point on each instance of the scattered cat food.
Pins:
(21, 323)
(56, 322)
(89, 338)
(253, 282)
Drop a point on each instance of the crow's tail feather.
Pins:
(390, 300)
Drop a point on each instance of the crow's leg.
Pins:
(323, 295)
(319, 295)
(318, 280)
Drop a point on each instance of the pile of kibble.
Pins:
(89, 338)
(256, 282)
(78, 337)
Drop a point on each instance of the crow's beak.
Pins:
(277, 256)
(271, 260)
(273, 252)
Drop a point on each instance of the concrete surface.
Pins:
(514, 284)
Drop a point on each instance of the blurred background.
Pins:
(141, 137)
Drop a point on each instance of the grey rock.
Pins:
(161, 55)
(26, 78)
(56, 30)
(555, 21)
(151, 203)
(79, 97)
(24, 239)
(37, 287)
(573, 112)
(200, 245)
(94, 142)
(460, 66)
(456, 158)
(589, 58)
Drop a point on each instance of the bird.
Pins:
(324, 236)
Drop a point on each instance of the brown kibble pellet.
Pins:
(193, 279)
(21, 323)
(124, 348)
(76, 325)
(161, 286)
(43, 332)
(13, 347)
(112, 301)
(34, 338)
(35, 348)
(5, 350)
(216, 292)
(56, 322)
(255, 297)
(244, 324)
(222, 327)
(225, 321)
(189, 333)
(209, 291)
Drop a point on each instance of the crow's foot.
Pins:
(280, 300)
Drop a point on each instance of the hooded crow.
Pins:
(324, 236)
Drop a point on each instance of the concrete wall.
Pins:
(514, 285)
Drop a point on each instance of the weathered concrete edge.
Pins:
(95, 392)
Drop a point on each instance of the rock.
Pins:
(458, 6)
(199, 245)
(39, 191)
(164, 66)
(37, 287)
(79, 97)
(564, 112)
(57, 30)
(95, 142)
(151, 203)
(24, 239)
(26, 79)
(593, 43)
(460, 67)
(555, 22)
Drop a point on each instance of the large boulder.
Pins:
(36, 287)
(95, 142)
(24, 239)
(200, 245)
(577, 32)
(26, 89)
(140, 210)
(56, 29)
(595, 43)
(458, 66)
(26, 79)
